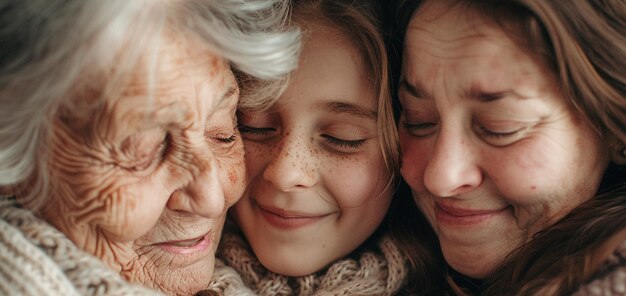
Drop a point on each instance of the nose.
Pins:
(453, 167)
(291, 167)
(204, 195)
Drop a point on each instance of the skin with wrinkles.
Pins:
(316, 152)
(485, 131)
(150, 168)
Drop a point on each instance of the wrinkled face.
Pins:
(491, 149)
(146, 188)
(315, 164)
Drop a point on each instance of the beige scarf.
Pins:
(380, 270)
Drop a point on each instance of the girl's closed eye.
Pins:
(256, 133)
(343, 145)
(250, 130)
(346, 138)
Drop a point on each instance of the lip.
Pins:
(454, 216)
(195, 245)
(285, 219)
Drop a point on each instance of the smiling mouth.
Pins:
(187, 243)
(195, 243)
(290, 214)
(289, 220)
(462, 217)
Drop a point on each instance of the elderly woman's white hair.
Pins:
(45, 59)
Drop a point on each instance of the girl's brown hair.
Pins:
(363, 22)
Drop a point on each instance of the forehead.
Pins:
(455, 29)
(180, 72)
(330, 67)
(177, 62)
(465, 45)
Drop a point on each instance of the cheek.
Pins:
(545, 177)
(355, 180)
(133, 210)
(414, 161)
(257, 156)
(233, 174)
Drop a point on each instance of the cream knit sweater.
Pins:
(37, 259)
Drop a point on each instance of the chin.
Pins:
(186, 280)
(473, 269)
(294, 268)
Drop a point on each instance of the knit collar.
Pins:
(87, 274)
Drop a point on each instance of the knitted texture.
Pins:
(379, 270)
(226, 281)
(611, 279)
(37, 259)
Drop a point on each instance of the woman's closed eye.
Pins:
(226, 139)
(145, 161)
(500, 134)
(485, 132)
(223, 138)
(419, 129)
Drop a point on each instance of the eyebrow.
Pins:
(474, 93)
(224, 99)
(231, 91)
(347, 108)
(414, 90)
(171, 108)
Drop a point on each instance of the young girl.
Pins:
(322, 165)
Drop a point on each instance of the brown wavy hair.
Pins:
(583, 42)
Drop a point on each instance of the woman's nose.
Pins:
(452, 168)
(291, 167)
(204, 195)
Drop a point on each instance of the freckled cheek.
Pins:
(257, 157)
(367, 181)
(233, 176)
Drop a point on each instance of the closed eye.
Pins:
(492, 134)
(227, 139)
(248, 130)
(419, 129)
(341, 143)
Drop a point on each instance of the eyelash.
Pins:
(254, 130)
(478, 128)
(487, 133)
(352, 144)
(230, 139)
(417, 127)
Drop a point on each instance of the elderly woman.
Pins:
(118, 137)
(513, 131)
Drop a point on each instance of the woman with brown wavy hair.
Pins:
(512, 129)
